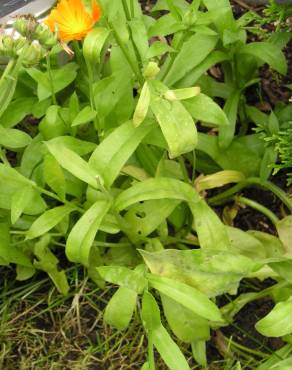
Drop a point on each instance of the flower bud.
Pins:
(32, 55)
(45, 36)
(25, 25)
(19, 44)
(151, 70)
(7, 46)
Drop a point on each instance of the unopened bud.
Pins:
(151, 70)
(7, 46)
(19, 44)
(45, 36)
(25, 25)
(33, 54)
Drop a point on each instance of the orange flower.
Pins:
(71, 20)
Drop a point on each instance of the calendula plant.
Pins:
(115, 174)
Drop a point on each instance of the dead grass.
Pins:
(39, 329)
(42, 330)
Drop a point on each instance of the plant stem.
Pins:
(276, 190)
(252, 181)
(132, 9)
(136, 51)
(126, 10)
(48, 59)
(183, 169)
(258, 207)
(111, 245)
(88, 68)
(77, 53)
(151, 353)
(172, 240)
(3, 157)
(54, 196)
(92, 100)
(127, 55)
(246, 349)
(173, 57)
(8, 68)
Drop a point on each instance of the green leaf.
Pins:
(159, 48)
(73, 163)
(94, 43)
(221, 13)
(48, 221)
(231, 158)
(48, 262)
(19, 201)
(192, 77)
(267, 53)
(139, 35)
(185, 324)
(176, 124)
(62, 77)
(12, 181)
(114, 93)
(111, 155)
(83, 233)
(17, 110)
(204, 109)
(284, 229)
(274, 359)
(142, 105)
(187, 296)
(143, 219)
(24, 273)
(120, 308)
(278, 322)
(12, 138)
(213, 273)
(182, 94)
(283, 269)
(159, 188)
(9, 174)
(272, 247)
(123, 276)
(268, 161)
(169, 350)
(247, 244)
(165, 25)
(84, 116)
(5, 258)
(211, 231)
(54, 176)
(226, 133)
(166, 347)
(219, 179)
(52, 125)
(9, 253)
(194, 51)
(165, 5)
(283, 365)
(80, 147)
(8, 83)
(150, 312)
